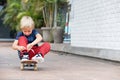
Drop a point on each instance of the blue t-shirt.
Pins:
(30, 38)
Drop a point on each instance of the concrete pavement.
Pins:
(57, 66)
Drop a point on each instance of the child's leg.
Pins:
(43, 50)
(22, 41)
(32, 52)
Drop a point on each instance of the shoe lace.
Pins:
(25, 56)
(38, 55)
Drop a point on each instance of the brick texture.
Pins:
(95, 24)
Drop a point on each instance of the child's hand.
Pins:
(29, 46)
(21, 48)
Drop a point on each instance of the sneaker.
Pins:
(38, 58)
(25, 58)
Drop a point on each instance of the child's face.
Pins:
(27, 31)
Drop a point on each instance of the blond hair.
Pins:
(26, 22)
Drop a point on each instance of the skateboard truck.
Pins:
(29, 63)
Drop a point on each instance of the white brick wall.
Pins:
(95, 23)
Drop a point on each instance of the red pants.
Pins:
(43, 49)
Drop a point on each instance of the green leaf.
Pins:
(21, 14)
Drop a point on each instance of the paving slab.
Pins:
(57, 66)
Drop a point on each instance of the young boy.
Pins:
(27, 42)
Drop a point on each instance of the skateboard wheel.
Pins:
(35, 67)
(22, 66)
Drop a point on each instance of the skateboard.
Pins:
(29, 63)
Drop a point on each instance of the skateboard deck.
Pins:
(28, 63)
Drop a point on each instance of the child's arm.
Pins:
(36, 41)
(15, 46)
